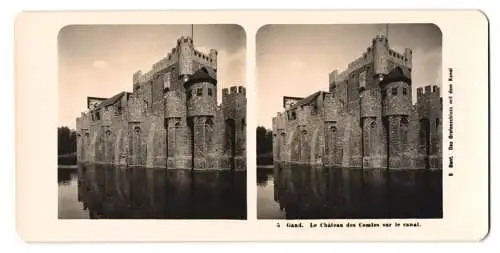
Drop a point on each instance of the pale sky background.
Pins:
(99, 60)
(295, 60)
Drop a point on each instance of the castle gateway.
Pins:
(366, 119)
(171, 119)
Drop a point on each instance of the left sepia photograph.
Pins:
(152, 122)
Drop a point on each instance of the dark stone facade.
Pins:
(171, 119)
(366, 119)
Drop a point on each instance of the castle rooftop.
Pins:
(112, 100)
(202, 75)
(396, 75)
(307, 100)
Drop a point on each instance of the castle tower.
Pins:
(201, 101)
(213, 56)
(373, 143)
(331, 121)
(429, 107)
(234, 109)
(332, 78)
(408, 57)
(380, 51)
(175, 112)
(185, 49)
(396, 94)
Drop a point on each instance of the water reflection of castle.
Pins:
(156, 193)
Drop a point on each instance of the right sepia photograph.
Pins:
(349, 121)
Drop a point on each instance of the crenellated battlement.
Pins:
(427, 91)
(380, 38)
(360, 61)
(137, 76)
(279, 123)
(233, 90)
(82, 122)
(204, 59)
(379, 52)
(428, 101)
(184, 40)
(401, 59)
(183, 54)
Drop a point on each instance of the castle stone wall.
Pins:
(367, 119)
(155, 127)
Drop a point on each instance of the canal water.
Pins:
(68, 205)
(108, 192)
(305, 192)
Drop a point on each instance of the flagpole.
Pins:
(387, 31)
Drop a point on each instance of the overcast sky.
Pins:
(295, 60)
(99, 60)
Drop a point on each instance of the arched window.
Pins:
(331, 140)
(403, 126)
(209, 129)
(437, 122)
(371, 138)
(243, 124)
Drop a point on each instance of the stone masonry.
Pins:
(171, 119)
(366, 119)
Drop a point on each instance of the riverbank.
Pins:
(264, 160)
(67, 159)
(67, 167)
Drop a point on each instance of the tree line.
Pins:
(66, 140)
(264, 146)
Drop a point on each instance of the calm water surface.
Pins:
(68, 205)
(305, 192)
(267, 207)
(107, 192)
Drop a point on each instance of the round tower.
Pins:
(201, 94)
(185, 50)
(380, 46)
(396, 90)
(201, 101)
(372, 148)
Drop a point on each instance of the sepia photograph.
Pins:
(350, 121)
(152, 122)
(364, 126)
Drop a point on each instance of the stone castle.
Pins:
(366, 119)
(171, 119)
